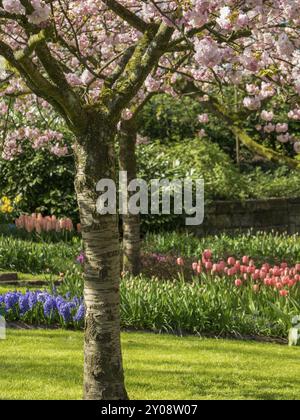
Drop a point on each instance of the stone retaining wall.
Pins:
(281, 215)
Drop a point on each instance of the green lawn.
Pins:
(48, 365)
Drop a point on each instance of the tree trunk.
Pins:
(131, 223)
(103, 370)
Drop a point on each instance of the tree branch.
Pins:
(146, 55)
(131, 18)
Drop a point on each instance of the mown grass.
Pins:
(48, 365)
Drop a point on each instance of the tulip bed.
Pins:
(207, 305)
(263, 247)
(277, 277)
(214, 293)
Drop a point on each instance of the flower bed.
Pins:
(280, 278)
(202, 295)
(43, 308)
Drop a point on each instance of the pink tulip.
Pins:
(284, 293)
(245, 260)
(238, 283)
(222, 265)
(208, 265)
(180, 262)
(215, 268)
(38, 226)
(268, 282)
(232, 271)
(199, 268)
(262, 274)
(237, 265)
(207, 254)
(231, 261)
(243, 269)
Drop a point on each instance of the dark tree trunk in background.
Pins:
(131, 223)
(103, 370)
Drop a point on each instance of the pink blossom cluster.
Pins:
(252, 44)
(243, 272)
(41, 10)
(50, 139)
(39, 223)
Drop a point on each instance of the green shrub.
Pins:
(194, 159)
(45, 182)
(282, 182)
(168, 119)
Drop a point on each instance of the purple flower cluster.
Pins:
(81, 258)
(160, 258)
(43, 307)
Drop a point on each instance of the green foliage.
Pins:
(35, 258)
(205, 306)
(282, 182)
(45, 182)
(167, 118)
(200, 158)
(262, 247)
(193, 159)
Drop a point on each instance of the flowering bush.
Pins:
(42, 307)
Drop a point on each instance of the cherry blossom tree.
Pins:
(89, 61)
